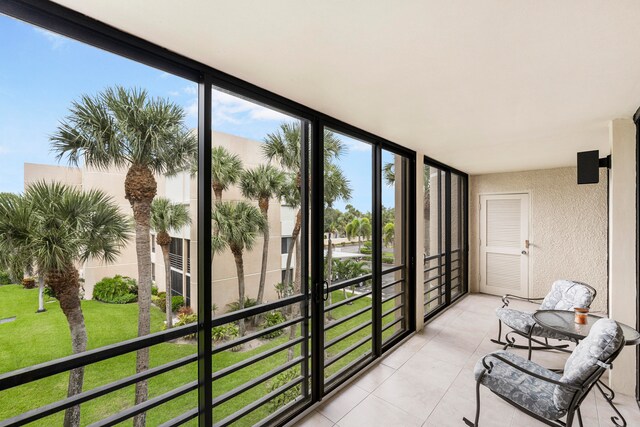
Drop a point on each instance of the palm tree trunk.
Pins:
(237, 256)
(214, 232)
(140, 188)
(141, 214)
(217, 192)
(66, 285)
(41, 294)
(295, 308)
(169, 289)
(329, 273)
(264, 208)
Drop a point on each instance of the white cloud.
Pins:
(174, 93)
(355, 145)
(191, 110)
(190, 90)
(56, 40)
(227, 108)
(4, 150)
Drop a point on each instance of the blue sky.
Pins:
(41, 73)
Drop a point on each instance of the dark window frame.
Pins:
(463, 220)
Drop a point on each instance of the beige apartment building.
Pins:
(183, 251)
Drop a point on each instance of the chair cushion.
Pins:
(567, 295)
(522, 322)
(531, 393)
(603, 340)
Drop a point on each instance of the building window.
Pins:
(187, 243)
(286, 241)
(153, 244)
(175, 254)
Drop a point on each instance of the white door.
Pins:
(504, 244)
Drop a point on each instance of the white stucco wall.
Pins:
(568, 227)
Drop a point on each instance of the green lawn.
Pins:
(35, 338)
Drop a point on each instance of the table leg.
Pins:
(609, 395)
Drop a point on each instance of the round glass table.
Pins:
(563, 322)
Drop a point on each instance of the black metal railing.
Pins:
(301, 359)
(347, 347)
(436, 282)
(348, 337)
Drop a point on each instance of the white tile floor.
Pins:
(428, 381)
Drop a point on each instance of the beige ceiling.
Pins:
(484, 86)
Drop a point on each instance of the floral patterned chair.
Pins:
(544, 394)
(564, 295)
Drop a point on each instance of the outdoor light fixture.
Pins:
(589, 163)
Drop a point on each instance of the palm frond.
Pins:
(119, 127)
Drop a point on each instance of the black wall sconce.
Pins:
(589, 163)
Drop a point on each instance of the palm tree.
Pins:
(426, 179)
(336, 187)
(263, 183)
(284, 147)
(359, 227)
(388, 233)
(62, 227)
(126, 128)
(167, 217)
(388, 171)
(226, 170)
(238, 224)
(19, 260)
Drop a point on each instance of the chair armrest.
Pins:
(489, 366)
(507, 297)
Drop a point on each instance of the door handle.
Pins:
(326, 290)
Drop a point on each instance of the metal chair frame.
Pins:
(509, 341)
(581, 391)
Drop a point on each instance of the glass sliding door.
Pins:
(259, 265)
(366, 253)
(445, 236)
(393, 232)
(348, 246)
(434, 240)
(458, 256)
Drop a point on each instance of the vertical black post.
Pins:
(410, 233)
(441, 274)
(205, 369)
(304, 241)
(376, 254)
(317, 261)
(465, 235)
(447, 236)
(636, 119)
